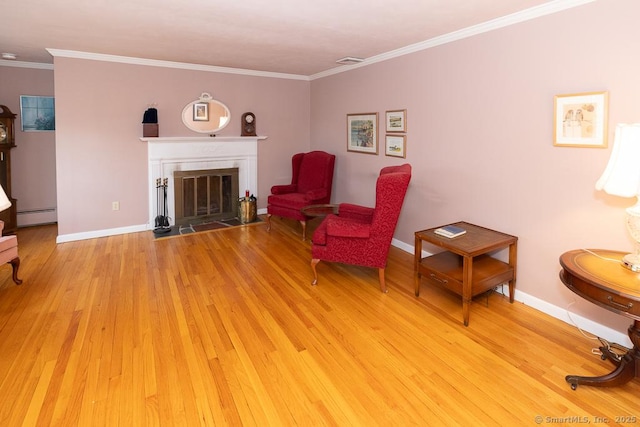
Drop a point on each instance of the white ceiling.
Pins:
(284, 36)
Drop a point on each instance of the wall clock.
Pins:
(248, 125)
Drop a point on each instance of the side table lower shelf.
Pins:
(446, 270)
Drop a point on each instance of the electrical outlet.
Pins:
(115, 206)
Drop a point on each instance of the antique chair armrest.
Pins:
(357, 212)
(283, 189)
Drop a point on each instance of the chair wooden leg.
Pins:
(383, 286)
(304, 229)
(314, 262)
(268, 222)
(15, 265)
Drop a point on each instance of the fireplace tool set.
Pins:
(162, 220)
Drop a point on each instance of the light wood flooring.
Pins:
(223, 328)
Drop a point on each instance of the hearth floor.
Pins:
(178, 230)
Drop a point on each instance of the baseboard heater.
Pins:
(37, 216)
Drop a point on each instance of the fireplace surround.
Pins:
(167, 155)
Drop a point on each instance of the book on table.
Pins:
(450, 231)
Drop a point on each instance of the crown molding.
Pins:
(512, 19)
(170, 64)
(23, 64)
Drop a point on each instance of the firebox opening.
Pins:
(205, 195)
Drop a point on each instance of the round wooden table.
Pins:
(321, 210)
(598, 275)
(316, 211)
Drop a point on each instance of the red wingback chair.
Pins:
(9, 253)
(360, 235)
(311, 183)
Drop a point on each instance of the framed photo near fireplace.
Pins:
(201, 112)
(362, 133)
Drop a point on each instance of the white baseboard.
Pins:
(563, 314)
(112, 232)
(37, 217)
(573, 319)
(101, 233)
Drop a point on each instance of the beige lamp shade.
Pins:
(622, 178)
(5, 203)
(622, 174)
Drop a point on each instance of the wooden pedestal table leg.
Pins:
(628, 367)
(304, 229)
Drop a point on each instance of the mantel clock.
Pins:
(248, 125)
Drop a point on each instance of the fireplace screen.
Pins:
(205, 195)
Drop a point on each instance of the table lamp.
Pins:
(621, 178)
(5, 203)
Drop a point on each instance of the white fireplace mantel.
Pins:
(202, 138)
(169, 154)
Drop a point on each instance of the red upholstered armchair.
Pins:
(311, 183)
(360, 235)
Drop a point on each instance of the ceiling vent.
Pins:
(349, 60)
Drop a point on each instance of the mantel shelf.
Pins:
(203, 138)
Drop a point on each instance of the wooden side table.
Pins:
(598, 276)
(465, 266)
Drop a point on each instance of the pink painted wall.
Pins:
(33, 160)
(479, 121)
(99, 110)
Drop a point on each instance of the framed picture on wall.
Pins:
(580, 120)
(362, 133)
(395, 146)
(396, 121)
(37, 113)
(201, 112)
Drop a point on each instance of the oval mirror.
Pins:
(206, 115)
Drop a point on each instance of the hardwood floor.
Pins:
(224, 328)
